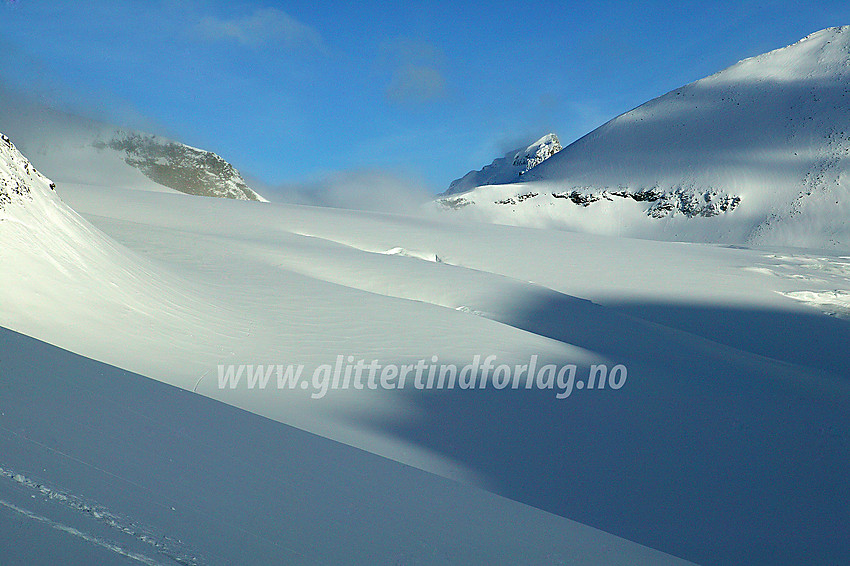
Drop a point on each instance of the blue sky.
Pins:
(291, 92)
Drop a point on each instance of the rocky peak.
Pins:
(180, 167)
(537, 153)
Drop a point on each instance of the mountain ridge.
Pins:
(758, 152)
(17, 176)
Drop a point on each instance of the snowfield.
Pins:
(727, 440)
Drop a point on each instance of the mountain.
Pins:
(178, 166)
(758, 153)
(510, 168)
(74, 150)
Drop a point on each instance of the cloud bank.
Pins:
(377, 191)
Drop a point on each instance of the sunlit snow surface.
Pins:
(736, 397)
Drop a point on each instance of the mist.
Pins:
(370, 190)
(51, 132)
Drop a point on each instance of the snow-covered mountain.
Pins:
(756, 154)
(737, 388)
(510, 168)
(98, 465)
(75, 150)
(17, 176)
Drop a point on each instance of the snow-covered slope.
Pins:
(71, 149)
(87, 493)
(18, 177)
(100, 466)
(510, 168)
(756, 154)
(704, 331)
(737, 383)
(60, 263)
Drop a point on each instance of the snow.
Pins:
(738, 379)
(772, 131)
(510, 168)
(100, 466)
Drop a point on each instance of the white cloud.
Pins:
(360, 190)
(416, 75)
(265, 25)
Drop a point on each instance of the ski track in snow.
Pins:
(172, 549)
(85, 536)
